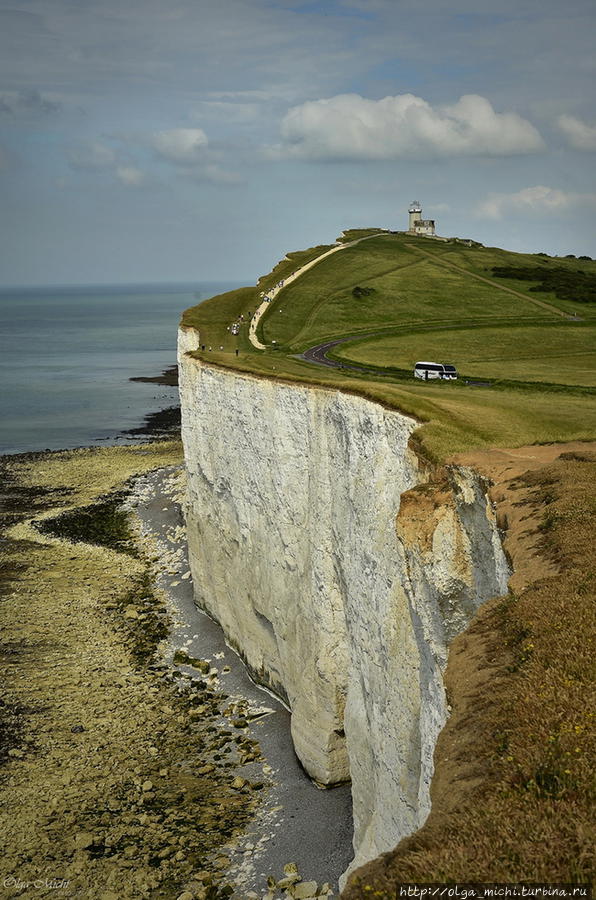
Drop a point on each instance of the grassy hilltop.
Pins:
(513, 788)
(508, 320)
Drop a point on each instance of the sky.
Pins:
(194, 140)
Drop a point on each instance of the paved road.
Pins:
(318, 354)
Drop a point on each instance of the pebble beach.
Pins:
(139, 759)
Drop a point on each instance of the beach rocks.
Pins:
(116, 752)
(83, 840)
(181, 658)
(292, 885)
(305, 890)
(239, 783)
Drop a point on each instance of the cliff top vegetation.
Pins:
(513, 791)
(523, 347)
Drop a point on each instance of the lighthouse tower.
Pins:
(418, 225)
(415, 213)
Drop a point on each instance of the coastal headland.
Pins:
(344, 542)
(403, 567)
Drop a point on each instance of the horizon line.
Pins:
(120, 284)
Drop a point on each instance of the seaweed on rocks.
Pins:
(169, 377)
(12, 727)
(103, 523)
(138, 779)
(142, 617)
(163, 423)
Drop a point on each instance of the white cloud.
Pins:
(92, 155)
(182, 146)
(580, 135)
(130, 175)
(538, 199)
(351, 127)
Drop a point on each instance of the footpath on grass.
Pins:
(272, 294)
(440, 261)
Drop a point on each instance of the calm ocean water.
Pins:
(66, 357)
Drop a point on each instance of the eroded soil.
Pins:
(513, 790)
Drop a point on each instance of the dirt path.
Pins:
(272, 294)
(443, 262)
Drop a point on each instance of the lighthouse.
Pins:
(418, 225)
(415, 213)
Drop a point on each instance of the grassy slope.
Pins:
(513, 795)
(423, 307)
(482, 260)
(530, 818)
(513, 351)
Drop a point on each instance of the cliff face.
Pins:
(337, 598)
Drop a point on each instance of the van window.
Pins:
(429, 370)
(431, 367)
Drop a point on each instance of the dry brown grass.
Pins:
(513, 795)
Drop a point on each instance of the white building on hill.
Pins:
(418, 225)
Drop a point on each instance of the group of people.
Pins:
(234, 328)
(210, 348)
(277, 287)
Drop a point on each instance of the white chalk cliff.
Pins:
(336, 598)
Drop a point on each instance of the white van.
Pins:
(450, 373)
(428, 370)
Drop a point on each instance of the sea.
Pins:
(67, 356)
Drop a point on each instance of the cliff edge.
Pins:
(341, 568)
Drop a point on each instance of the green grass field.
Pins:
(405, 298)
(481, 261)
(564, 353)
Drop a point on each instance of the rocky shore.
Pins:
(138, 759)
(298, 829)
